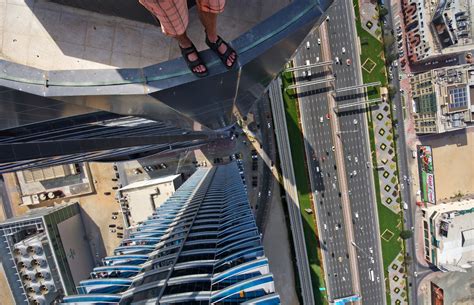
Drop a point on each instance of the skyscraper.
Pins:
(199, 247)
(50, 116)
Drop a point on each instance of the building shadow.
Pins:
(93, 236)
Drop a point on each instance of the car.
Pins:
(337, 228)
(317, 169)
(355, 121)
(115, 213)
(327, 18)
(112, 230)
(348, 61)
(308, 45)
(328, 116)
(336, 60)
(317, 58)
(319, 41)
(307, 62)
(107, 193)
(356, 215)
(354, 173)
(119, 228)
(333, 148)
(112, 225)
(269, 193)
(309, 73)
(303, 73)
(269, 125)
(371, 250)
(405, 205)
(115, 167)
(343, 50)
(349, 157)
(114, 217)
(163, 165)
(325, 226)
(356, 159)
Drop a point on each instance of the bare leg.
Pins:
(185, 42)
(209, 21)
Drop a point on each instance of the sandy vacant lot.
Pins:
(453, 156)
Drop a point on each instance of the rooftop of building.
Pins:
(454, 231)
(145, 183)
(51, 36)
(35, 214)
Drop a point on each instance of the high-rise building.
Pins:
(44, 254)
(89, 98)
(201, 246)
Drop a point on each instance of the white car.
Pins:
(356, 160)
(321, 119)
(317, 58)
(269, 125)
(325, 226)
(307, 62)
(337, 60)
(354, 172)
(319, 41)
(343, 50)
(355, 121)
(308, 45)
(333, 148)
(357, 215)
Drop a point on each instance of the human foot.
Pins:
(193, 60)
(225, 52)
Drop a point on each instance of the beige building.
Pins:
(39, 185)
(448, 231)
(443, 99)
(144, 197)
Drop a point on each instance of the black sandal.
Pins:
(193, 64)
(214, 46)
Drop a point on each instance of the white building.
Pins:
(144, 197)
(449, 235)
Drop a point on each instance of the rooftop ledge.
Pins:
(46, 52)
(50, 36)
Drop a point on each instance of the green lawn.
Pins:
(302, 185)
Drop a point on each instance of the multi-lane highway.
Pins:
(362, 239)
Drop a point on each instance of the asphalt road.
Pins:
(314, 106)
(404, 157)
(291, 193)
(265, 178)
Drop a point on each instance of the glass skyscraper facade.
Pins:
(201, 246)
(50, 117)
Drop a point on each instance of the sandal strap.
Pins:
(192, 63)
(216, 45)
(189, 50)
